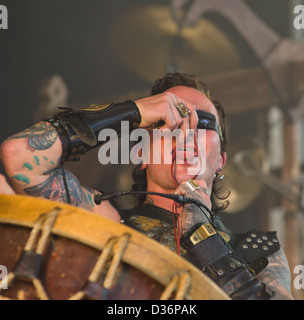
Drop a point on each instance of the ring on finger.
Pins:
(206, 190)
(183, 110)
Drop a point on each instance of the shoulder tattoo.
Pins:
(53, 188)
(41, 136)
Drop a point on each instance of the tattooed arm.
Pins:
(5, 188)
(29, 156)
(277, 276)
(31, 160)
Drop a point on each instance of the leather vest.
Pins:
(157, 223)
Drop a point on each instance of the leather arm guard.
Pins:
(79, 130)
(209, 252)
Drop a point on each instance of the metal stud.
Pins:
(270, 243)
(195, 238)
(229, 287)
(259, 240)
(265, 248)
(220, 272)
(248, 239)
(253, 235)
(255, 246)
(264, 238)
(245, 246)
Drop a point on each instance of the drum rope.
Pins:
(118, 253)
(115, 247)
(179, 283)
(44, 224)
(101, 262)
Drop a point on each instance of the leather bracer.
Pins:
(79, 130)
(209, 252)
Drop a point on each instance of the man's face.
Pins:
(204, 145)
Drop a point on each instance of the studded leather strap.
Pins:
(256, 244)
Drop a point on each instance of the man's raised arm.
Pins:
(33, 158)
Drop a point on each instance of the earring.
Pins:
(218, 178)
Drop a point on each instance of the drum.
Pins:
(55, 251)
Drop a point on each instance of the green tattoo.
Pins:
(37, 160)
(27, 166)
(85, 199)
(88, 198)
(91, 200)
(21, 180)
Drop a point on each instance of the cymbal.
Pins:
(149, 42)
(243, 189)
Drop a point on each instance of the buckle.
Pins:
(203, 232)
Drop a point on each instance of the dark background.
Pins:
(72, 39)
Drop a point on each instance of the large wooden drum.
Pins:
(58, 252)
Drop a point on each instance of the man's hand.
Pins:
(162, 107)
(192, 214)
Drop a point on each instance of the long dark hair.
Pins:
(181, 79)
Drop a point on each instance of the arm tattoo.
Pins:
(20, 180)
(38, 137)
(88, 197)
(277, 276)
(53, 188)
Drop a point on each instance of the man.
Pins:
(243, 266)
